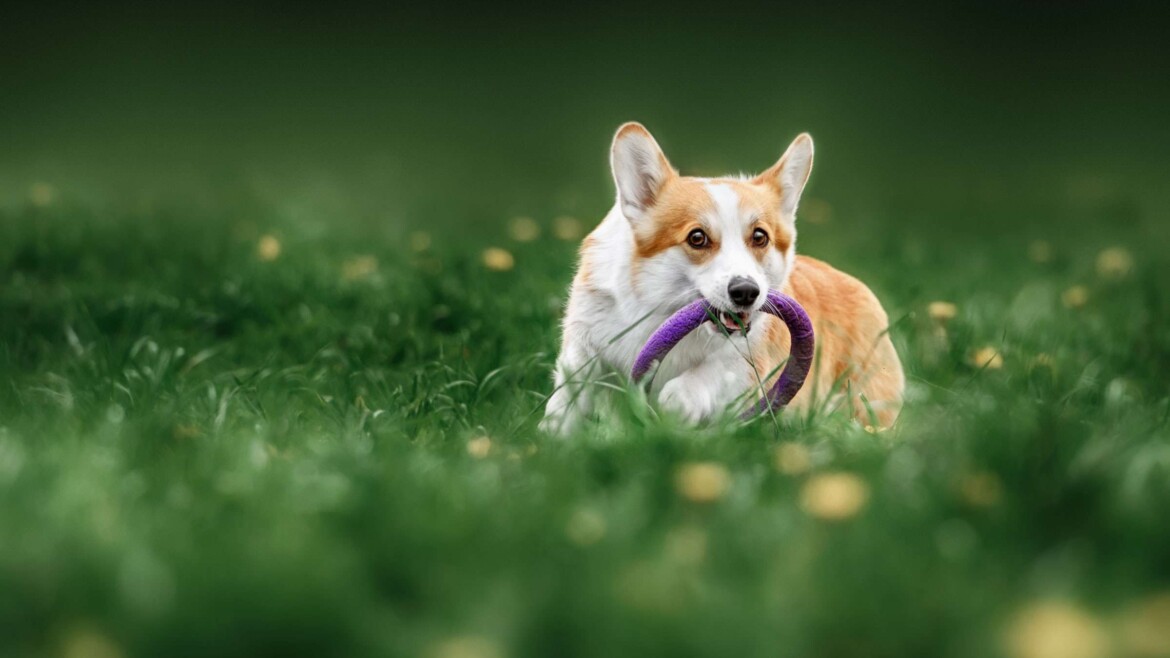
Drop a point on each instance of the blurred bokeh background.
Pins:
(435, 112)
(279, 292)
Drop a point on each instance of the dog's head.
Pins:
(728, 240)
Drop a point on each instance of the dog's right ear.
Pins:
(639, 168)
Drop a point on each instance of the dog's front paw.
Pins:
(687, 399)
(560, 420)
(558, 425)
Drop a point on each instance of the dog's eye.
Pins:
(759, 238)
(698, 239)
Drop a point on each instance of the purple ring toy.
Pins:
(689, 317)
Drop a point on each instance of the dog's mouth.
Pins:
(734, 322)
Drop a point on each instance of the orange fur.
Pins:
(856, 360)
(678, 210)
(680, 206)
(584, 267)
(762, 201)
(855, 356)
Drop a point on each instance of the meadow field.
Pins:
(274, 342)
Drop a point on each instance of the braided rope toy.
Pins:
(689, 317)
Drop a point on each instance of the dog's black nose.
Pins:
(743, 291)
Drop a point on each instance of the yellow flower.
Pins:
(656, 587)
(41, 194)
(792, 458)
(89, 643)
(941, 311)
(479, 447)
(1114, 263)
(585, 527)
(686, 545)
(1075, 297)
(567, 228)
(268, 248)
(498, 259)
(1040, 251)
(1042, 360)
(358, 267)
(702, 482)
(420, 241)
(981, 489)
(986, 357)
(524, 229)
(834, 496)
(1145, 627)
(469, 646)
(1056, 630)
(185, 432)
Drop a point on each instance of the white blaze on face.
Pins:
(734, 258)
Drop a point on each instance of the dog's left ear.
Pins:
(789, 175)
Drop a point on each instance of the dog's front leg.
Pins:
(707, 389)
(571, 400)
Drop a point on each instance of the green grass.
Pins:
(206, 453)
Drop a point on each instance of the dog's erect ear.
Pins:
(639, 169)
(789, 175)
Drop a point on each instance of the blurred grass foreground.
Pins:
(279, 293)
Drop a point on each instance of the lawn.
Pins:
(277, 397)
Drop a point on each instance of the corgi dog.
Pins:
(671, 239)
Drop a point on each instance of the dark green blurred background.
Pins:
(437, 112)
(261, 393)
